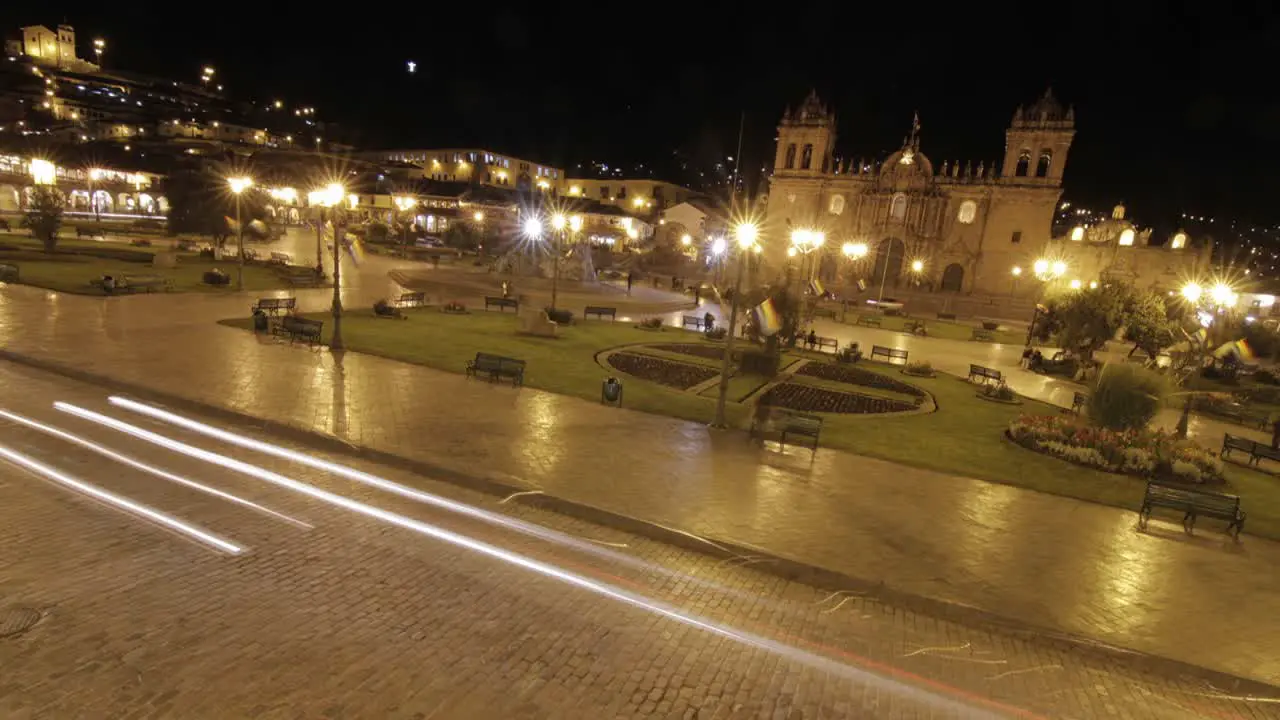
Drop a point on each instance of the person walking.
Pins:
(629, 280)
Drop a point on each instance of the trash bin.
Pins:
(259, 321)
(611, 392)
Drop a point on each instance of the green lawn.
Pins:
(965, 435)
(945, 329)
(67, 270)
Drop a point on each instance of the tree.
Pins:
(44, 214)
(195, 206)
(1085, 320)
(466, 236)
(1147, 324)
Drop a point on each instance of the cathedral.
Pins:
(907, 223)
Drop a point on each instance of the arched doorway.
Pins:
(889, 255)
(953, 278)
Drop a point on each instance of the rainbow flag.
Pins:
(767, 317)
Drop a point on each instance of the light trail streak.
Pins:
(656, 607)
(119, 502)
(416, 495)
(139, 465)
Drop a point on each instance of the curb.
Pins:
(762, 561)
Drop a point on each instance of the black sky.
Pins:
(1177, 105)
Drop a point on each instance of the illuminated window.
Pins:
(837, 204)
(898, 208)
(1126, 237)
(1179, 241)
(1077, 233)
(968, 211)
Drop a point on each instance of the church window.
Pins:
(836, 206)
(1179, 241)
(898, 208)
(1024, 161)
(791, 156)
(1016, 237)
(1077, 233)
(806, 159)
(1042, 167)
(968, 211)
(1126, 237)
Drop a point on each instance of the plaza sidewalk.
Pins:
(1052, 562)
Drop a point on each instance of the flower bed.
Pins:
(664, 372)
(807, 398)
(858, 376)
(710, 352)
(1141, 453)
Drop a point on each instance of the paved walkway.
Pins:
(1046, 560)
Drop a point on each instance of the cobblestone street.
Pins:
(326, 612)
(1059, 564)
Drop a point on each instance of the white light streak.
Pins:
(656, 607)
(139, 465)
(119, 502)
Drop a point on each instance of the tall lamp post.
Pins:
(558, 223)
(404, 204)
(94, 175)
(238, 186)
(331, 198)
(99, 45)
(805, 242)
(853, 252)
(745, 234)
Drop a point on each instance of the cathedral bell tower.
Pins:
(806, 138)
(1037, 141)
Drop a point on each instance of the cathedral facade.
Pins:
(906, 222)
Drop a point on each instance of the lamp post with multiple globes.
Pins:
(745, 235)
(238, 186)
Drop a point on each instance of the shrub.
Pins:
(1266, 377)
(455, 306)
(560, 316)
(215, 277)
(918, 367)
(382, 307)
(1126, 397)
(1142, 453)
(716, 333)
(1000, 391)
(652, 323)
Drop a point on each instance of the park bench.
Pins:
(600, 312)
(916, 327)
(825, 312)
(297, 276)
(984, 374)
(783, 424)
(1257, 451)
(8, 273)
(869, 320)
(982, 334)
(697, 322)
(946, 316)
(889, 354)
(82, 231)
(1238, 414)
(274, 306)
(502, 303)
(1077, 402)
(410, 299)
(1193, 503)
(279, 258)
(4, 225)
(302, 328)
(820, 343)
(497, 366)
(143, 283)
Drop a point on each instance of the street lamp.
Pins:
(94, 175)
(238, 186)
(558, 223)
(1192, 292)
(331, 197)
(99, 45)
(404, 203)
(745, 234)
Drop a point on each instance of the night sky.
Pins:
(1177, 107)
